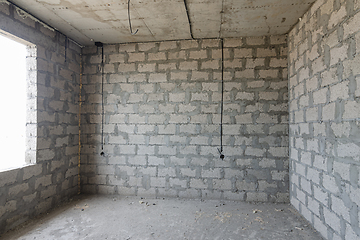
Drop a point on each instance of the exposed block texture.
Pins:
(162, 120)
(324, 110)
(54, 70)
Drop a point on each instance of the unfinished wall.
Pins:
(54, 79)
(324, 70)
(162, 118)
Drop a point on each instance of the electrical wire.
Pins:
(188, 17)
(102, 100)
(131, 31)
(222, 99)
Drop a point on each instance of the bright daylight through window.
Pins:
(12, 103)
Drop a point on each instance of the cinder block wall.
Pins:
(324, 86)
(162, 120)
(54, 79)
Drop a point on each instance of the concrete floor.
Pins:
(114, 217)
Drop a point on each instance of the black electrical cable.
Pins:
(188, 16)
(222, 99)
(131, 31)
(100, 44)
(102, 101)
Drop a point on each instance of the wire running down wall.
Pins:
(162, 119)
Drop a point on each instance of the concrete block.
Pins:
(256, 197)
(48, 192)
(114, 58)
(157, 182)
(198, 183)
(255, 40)
(332, 220)
(351, 26)
(150, 67)
(256, 84)
(167, 45)
(167, 66)
(268, 95)
(243, 53)
(156, 56)
(177, 183)
(20, 188)
(320, 226)
(265, 52)
(233, 64)
(188, 172)
(143, 108)
(43, 181)
(330, 185)
(177, 118)
(350, 150)
(127, 149)
(164, 172)
(143, 47)
(271, 73)
(156, 119)
(233, 42)
(319, 97)
(128, 67)
(176, 55)
(247, 73)
(212, 173)
(343, 169)
(235, 196)
(275, 63)
(133, 78)
(243, 185)
(211, 194)
(244, 96)
(251, 63)
(177, 97)
(145, 129)
(136, 57)
(339, 208)
(29, 172)
(190, 65)
(350, 233)
(185, 44)
(352, 110)
(222, 184)
(211, 64)
(279, 175)
(200, 54)
(157, 77)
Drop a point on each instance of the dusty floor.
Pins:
(114, 217)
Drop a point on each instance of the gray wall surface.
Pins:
(32, 190)
(162, 119)
(324, 87)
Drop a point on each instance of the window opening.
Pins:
(16, 103)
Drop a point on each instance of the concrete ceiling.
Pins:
(87, 21)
